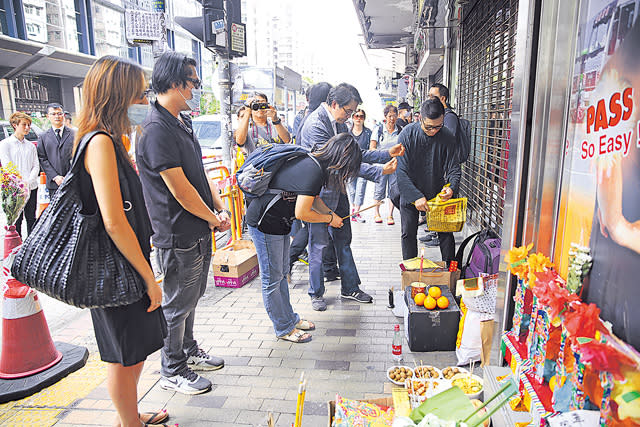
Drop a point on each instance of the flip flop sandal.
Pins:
(305, 325)
(377, 219)
(296, 337)
(154, 417)
(390, 221)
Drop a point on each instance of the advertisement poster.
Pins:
(600, 202)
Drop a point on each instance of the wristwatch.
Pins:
(225, 211)
(276, 122)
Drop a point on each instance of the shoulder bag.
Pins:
(69, 255)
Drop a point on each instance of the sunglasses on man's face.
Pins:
(196, 82)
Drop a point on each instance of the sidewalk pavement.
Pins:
(349, 354)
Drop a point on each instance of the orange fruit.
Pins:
(430, 303)
(419, 298)
(443, 302)
(435, 292)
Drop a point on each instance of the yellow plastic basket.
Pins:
(446, 216)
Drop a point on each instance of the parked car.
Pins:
(6, 130)
(208, 129)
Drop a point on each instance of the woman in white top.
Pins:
(384, 137)
(23, 154)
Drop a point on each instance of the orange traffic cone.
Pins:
(43, 194)
(27, 347)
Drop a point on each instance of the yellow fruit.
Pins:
(435, 292)
(430, 303)
(443, 302)
(419, 298)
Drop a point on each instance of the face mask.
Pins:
(194, 102)
(137, 113)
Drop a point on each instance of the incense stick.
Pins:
(421, 261)
(362, 210)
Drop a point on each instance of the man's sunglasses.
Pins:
(430, 128)
(196, 82)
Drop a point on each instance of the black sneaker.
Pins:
(426, 238)
(359, 296)
(186, 382)
(433, 242)
(331, 277)
(304, 258)
(202, 361)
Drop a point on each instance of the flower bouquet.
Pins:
(15, 193)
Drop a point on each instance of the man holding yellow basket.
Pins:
(429, 163)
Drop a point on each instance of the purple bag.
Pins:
(484, 256)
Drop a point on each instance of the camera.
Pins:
(255, 106)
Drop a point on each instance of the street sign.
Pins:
(217, 26)
(238, 40)
(143, 26)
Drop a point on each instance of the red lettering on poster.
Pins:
(620, 108)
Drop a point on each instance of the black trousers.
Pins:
(299, 244)
(29, 212)
(409, 219)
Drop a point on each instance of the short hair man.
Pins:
(430, 156)
(405, 114)
(182, 204)
(451, 121)
(319, 126)
(23, 154)
(54, 148)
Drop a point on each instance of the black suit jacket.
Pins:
(54, 155)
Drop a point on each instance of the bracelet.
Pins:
(330, 217)
(276, 123)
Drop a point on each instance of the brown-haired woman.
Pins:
(126, 335)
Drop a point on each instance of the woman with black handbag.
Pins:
(126, 334)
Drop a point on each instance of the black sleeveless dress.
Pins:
(126, 334)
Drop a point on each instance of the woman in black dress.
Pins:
(126, 335)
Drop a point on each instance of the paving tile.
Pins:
(333, 364)
(207, 401)
(341, 332)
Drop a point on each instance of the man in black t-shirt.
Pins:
(182, 203)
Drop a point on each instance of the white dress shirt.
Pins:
(331, 118)
(24, 156)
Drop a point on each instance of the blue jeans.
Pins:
(185, 281)
(380, 191)
(273, 258)
(356, 188)
(319, 235)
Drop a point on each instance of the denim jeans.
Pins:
(185, 281)
(273, 258)
(383, 187)
(357, 188)
(320, 236)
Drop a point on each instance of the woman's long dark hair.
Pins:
(343, 157)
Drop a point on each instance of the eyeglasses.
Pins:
(358, 116)
(430, 128)
(145, 93)
(196, 82)
(349, 112)
(57, 113)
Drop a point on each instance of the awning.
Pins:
(22, 56)
(386, 24)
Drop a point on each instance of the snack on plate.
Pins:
(427, 371)
(450, 371)
(398, 374)
(467, 383)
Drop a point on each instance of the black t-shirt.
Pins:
(166, 143)
(299, 176)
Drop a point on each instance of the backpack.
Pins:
(255, 174)
(464, 139)
(484, 256)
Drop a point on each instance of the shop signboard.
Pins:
(600, 206)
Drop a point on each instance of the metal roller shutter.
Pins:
(484, 98)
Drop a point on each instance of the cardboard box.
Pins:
(382, 401)
(431, 330)
(235, 265)
(442, 277)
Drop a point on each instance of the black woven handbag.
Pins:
(69, 255)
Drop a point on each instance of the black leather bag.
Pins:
(69, 255)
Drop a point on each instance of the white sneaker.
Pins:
(186, 382)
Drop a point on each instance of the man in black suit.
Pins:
(54, 148)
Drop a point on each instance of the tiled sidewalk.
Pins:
(349, 353)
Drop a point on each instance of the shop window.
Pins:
(109, 31)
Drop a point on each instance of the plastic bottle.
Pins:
(396, 346)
